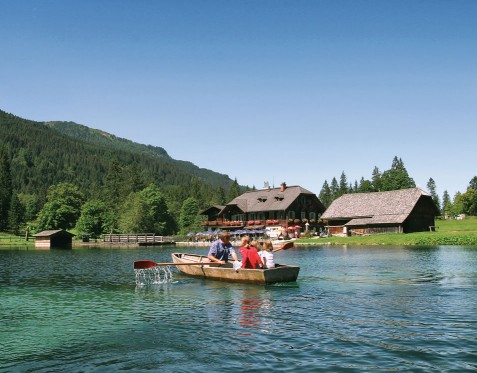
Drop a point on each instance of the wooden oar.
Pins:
(285, 246)
(145, 264)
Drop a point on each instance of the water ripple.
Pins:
(357, 309)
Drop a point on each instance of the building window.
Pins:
(303, 215)
(313, 215)
(291, 214)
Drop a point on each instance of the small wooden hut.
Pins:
(54, 238)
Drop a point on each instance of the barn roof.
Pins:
(375, 208)
(271, 199)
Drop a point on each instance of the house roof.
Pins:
(51, 233)
(271, 199)
(213, 207)
(375, 208)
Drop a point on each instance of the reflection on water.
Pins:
(352, 309)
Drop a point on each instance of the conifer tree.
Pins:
(376, 180)
(5, 188)
(15, 214)
(473, 183)
(325, 195)
(343, 187)
(218, 197)
(446, 203)
(431, 187)
(234, 191)
(334, 189)
(397, 177)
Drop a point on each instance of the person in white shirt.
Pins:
(267, 254)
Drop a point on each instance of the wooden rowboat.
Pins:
(226, 272)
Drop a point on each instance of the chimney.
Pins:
(283, 186)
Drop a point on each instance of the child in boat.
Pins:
(257, 245)
(267, 255)
(250, 257)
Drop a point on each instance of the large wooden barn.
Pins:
(397, 211)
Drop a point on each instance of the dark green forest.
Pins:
(38, 156)
(65, 175)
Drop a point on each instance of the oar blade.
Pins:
(288, 245)
(144, 264)
(285, 246)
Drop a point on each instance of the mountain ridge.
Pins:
(47, 152)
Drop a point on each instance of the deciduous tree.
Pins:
(92, 220)
(189, 216)
(63, 207)
(146, 212)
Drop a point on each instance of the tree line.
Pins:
(124, 204)
(64, 176)
(397, 178)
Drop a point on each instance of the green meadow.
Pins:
(448, 232)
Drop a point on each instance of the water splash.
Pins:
(155, 275)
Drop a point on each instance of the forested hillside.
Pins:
(107, 140)
(102, 166)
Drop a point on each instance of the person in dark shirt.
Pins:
(221, 249)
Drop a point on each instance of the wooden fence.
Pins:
(139, 238)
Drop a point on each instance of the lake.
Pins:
(353, 309)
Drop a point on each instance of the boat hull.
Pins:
(281, 273)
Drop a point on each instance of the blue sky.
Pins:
(294, 91)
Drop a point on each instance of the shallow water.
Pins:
(352, 309)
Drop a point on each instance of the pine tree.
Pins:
(473, 183)
(218, 197)
(397, 177)
(343, 187)
(334, 189)
(5, 189)
(446, 203)
(234, 191)
(376, 180)
(15, 214)
(325, 195)
(431, 187)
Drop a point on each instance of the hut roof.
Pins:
(51, 233)
(271, 199)
(375, 208)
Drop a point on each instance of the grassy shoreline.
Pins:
(448, 232)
